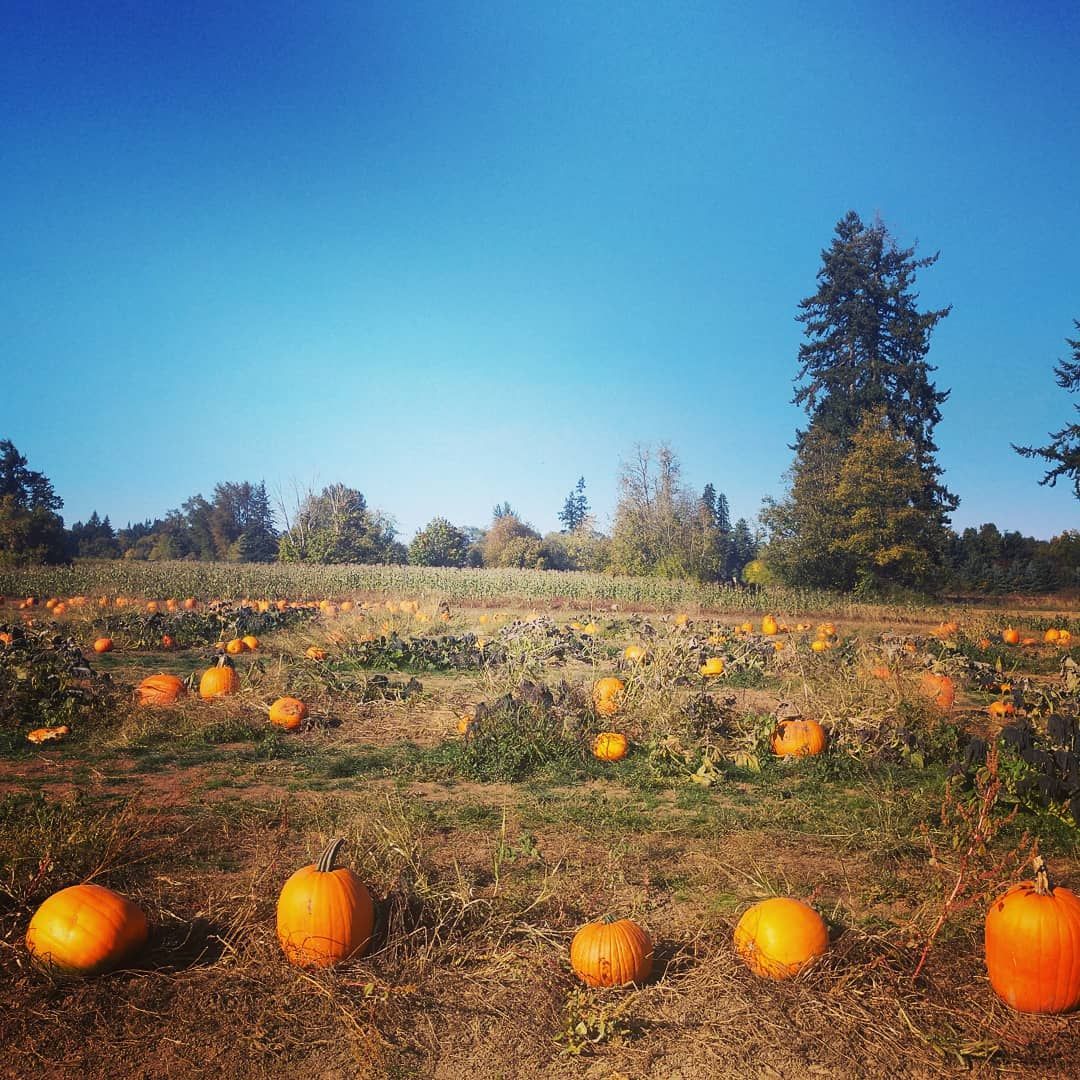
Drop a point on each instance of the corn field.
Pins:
(293, 581)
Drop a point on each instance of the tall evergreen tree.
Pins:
(1063, 451)
(864, 357)
(31, 530)
(866, 347)
(575, 510)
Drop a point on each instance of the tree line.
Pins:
(865, 509)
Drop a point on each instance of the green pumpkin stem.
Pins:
(608, 919)
(1044, 885)
(326, 859)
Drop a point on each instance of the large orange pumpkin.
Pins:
(219, 681)
(777, 938)
(798, 738)
(324, 915)
(85, 930)
(608, 695)
(611, 952)
(1010, 636)
(288, 713)
(159, 690)
(769, 626)
(103, 644)
(1032, 939)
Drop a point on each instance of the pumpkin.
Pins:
(634, 654)
(48, 734)
(609, 746)
(324, 915)
(6, 637)
(1051, 636)
(777, 938)
(1064, 638)
(190, 604)
(1000, 709)
(288, 713)
(827, 630)
(251, 641)
(608, 695)
(1010, 636)
(167, 641)
(315, 653)
(465, 722)
(152, 606)
(235, 646)
(712, 667)
(939, 688)
(769, 626)
(1032, 939)
(219, 681)
(159, 690)
(611, 952)
(798, 738)
(85, 930)
(820, 645)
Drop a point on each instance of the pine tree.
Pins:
(867, 346)
(575, 510)
(1064, 448)
(864, 357)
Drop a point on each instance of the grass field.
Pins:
(485, 851)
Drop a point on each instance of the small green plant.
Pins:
(589, 1021)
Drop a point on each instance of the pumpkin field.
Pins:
(456, 824)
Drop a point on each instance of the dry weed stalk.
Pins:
(970, 826)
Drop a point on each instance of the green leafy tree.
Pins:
(1063, 450)
(511, 542)
(575, 510)
(583, 548)
(31, 530)
(439, 544)
(336, 526)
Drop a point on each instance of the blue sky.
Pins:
(456, 253)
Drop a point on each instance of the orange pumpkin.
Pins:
(236, 646)
(324, 915)
(608, 695)
(798, 738)
(251, 641)
(219, 681)
(85, 930)
(103, 645)
(713, 666)
(769, 626)
(315, 653)
(1032, 939)
(48, 734)
(777, 938)
(609, 746)
(634, 654)
(939, 688)
(190, 604)
(611, 952)
(159, 690)
(1000, 709)
(288, 713)
(1010, 636)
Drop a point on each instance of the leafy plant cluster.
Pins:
(45, 680)
(532, 728)
(446, 652)
(144, 630)
(1042, 768)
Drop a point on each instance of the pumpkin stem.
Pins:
(608, 919)
(1044, 886)
(326, 859)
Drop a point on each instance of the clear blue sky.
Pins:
(455, 253)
